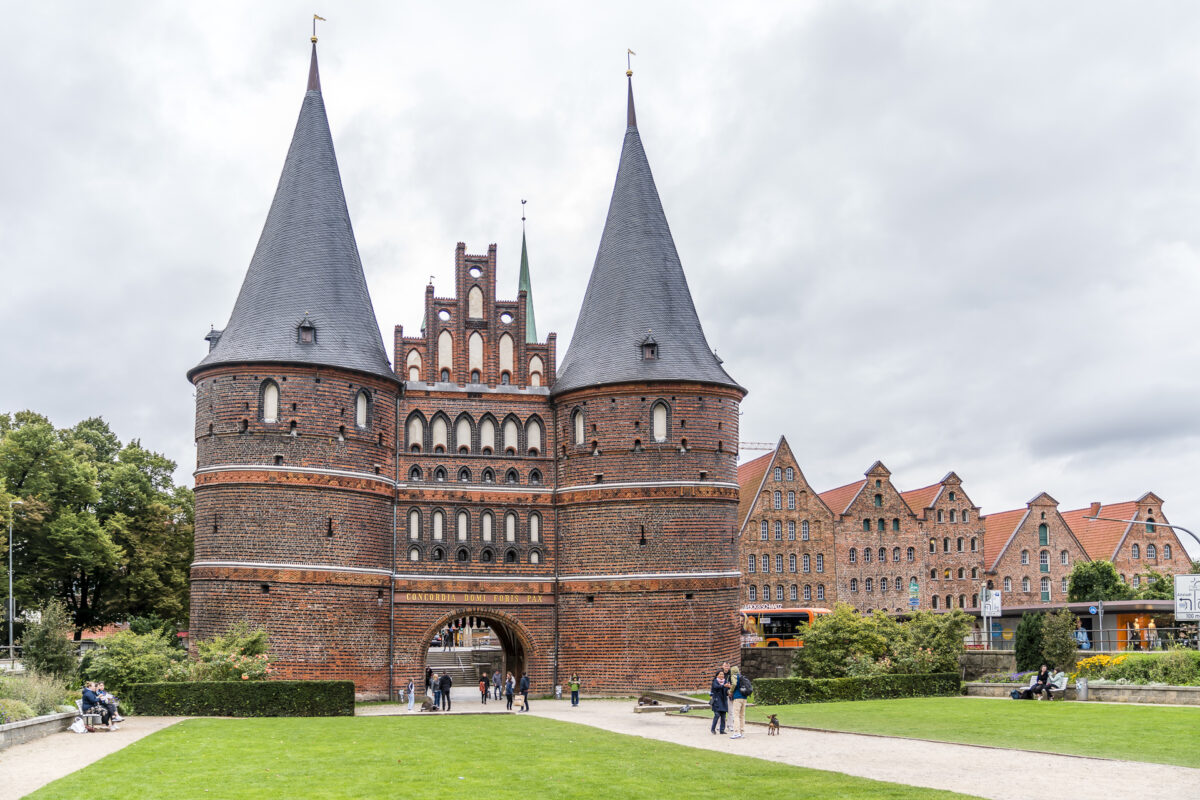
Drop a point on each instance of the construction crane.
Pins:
(756, 446)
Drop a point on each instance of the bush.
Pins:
(931, 642)
(43, 693)
(14, 711)
(1028, 643)
(126, 658)
(240, 654)
(1059, 648)
(848, 644)
(245, 698)
(46, 645)
(1177, 668)
(781, 691)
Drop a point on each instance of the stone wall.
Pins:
(15, 733)
(977, 663)
(767, 662)
(1108, 693)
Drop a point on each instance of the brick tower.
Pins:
(295, 425)
(647, 492)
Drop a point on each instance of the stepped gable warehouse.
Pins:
(587, 513)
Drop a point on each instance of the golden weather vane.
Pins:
(315, 18)
(628, 61)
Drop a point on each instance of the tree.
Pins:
(939, 636)
(1195, 568)
(1156, 586)
(46, 646)
(1058, 639)
(1096, 580)
(127, 657)
(839, 639)
(1028, 643)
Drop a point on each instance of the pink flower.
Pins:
(245, 677)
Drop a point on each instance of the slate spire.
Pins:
(637, 322)
(527, 286)
(304, 299)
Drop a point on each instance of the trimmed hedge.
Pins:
(243, 699)
(784, 691)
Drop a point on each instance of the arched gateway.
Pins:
(353, 507)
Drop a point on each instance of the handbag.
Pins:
(519, 699)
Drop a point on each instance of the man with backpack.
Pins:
(742, 688)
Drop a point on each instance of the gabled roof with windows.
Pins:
(918, 500)
(306, 267)
(1101, 538)
(750, 477)
(839, 499)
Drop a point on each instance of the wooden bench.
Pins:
(92, 717)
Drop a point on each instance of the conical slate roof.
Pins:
(306, 267)
(637, 293)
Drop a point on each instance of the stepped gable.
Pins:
(306, 268)
(637, 293)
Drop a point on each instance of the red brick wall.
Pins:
(1042, 510)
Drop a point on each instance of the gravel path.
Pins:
(28, 767)
(985, 772)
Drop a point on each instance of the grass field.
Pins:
(492, 757)
(1158, 734)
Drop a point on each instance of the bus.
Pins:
(765, 626)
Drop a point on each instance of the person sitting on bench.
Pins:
(93, 704)
(1038, 684)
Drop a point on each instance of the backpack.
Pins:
(745, 686)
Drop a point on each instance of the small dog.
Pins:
(773, 726)
(646, 700)
(427, 705)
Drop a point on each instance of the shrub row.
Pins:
(1174, 667)
(243, 699)
(782, 691)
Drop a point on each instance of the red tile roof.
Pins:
(837, 499)
(1101, 537)
(997, 528)
(919, 499)
(749, 478)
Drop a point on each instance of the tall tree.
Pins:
(1096, 580)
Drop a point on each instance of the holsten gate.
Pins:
(587, 511)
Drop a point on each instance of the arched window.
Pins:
(488, 476)
(463, 521)
(445, 352)
(1025, 584)
(779, 592)
(935, 597)
(778, 531)
(535, 477)
(535, 557)
(853, 555)
(475, 353)
(896, 554)
(778, 474)
(464, 475)
(510, 557)
(792, 592)
(413, 362)
(1045, 589)
(946, 574)
(975, 601)
(763, 532)
(438, 554)
(486, 556)
(870, 584)
(535, 528)
(779, 562)
(533, 437)
(933, 545)
(462, 554)
(820, 591)
(791, 562)
(270, 401)
(510, 436)
(511, 477)
(854, 584)
(766, 592)
(912, 554)
(974, 572)
(462, 434)
(1043, 535)
(882, 556)
(1024, 556)
(1167, 551)
(487, 436)
(866, 555)
(791, 474)
(895, 523)
(1064, 558)
(414, 474)
(804, 530)
(475, 303)
(866, 526)
(974, 544)
(414, 525)
(752, 593)
(946, 544)
(439, 522)
(766, 563)
(939, 515)
(485, 526)
(752, 562)
(536, 368)
(1007, 585)
(791, 530)
(439, 434)
(777, 499)
(414, 554)
(959, 544)
(658, 418)
(439, 474)
(952, 515)
(962, 573)
(933, 574)
(879, 501)
(362, 408)
(792, 501)
(807, 563)
(966, 517)
(506, 353)
(577, 426)
(881, 525)
(820, 562)
(1135, 550)
(510, 527)
(883, 584)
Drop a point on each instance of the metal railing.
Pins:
(1107, 641)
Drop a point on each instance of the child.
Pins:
(574, 690)
(483, 687)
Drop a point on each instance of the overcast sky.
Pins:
(949, 236)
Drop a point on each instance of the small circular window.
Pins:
(444, 315)
(506, 318)
(475, 272)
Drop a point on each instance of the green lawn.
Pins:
(492, 757)
(1158, 734)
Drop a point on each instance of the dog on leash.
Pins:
(773, 726)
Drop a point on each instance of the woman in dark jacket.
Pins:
(719, 700)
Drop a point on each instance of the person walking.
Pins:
(740, 691)
(445, 683)
(509, 685)
(574, 684)
(412, 693)
(718, 699)
(437, 690)
(483, 688)
(496, 685)
(525, 691)
(428, 679)
(447, 638)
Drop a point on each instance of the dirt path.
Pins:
(985, 772)
(28, 767)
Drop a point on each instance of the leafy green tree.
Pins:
(127, 657)
(839, 639)
(1096, 580)
(1059, 647)
(1195, 568)
(1156, 586)
(46, 646)
(935, 640)
(1028, 643)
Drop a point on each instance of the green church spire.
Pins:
(526, 286)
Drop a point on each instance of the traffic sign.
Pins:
(1092, 610)
(913, 602)
(1187, 598)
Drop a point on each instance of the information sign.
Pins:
(1187, 598)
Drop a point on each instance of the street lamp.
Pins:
(12, 607)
